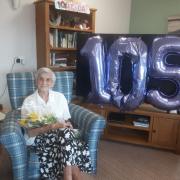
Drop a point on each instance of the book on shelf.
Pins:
(67, 40)
(63, 39)
(55, 38)
(61, 62)
(141, 122)
(51, 40)
(58, 59)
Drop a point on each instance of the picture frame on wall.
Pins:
(174, 24)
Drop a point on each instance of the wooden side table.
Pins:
(5, 165)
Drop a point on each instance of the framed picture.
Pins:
(174, 24)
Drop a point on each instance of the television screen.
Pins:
(83, 85)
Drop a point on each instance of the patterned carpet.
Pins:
(119, 161)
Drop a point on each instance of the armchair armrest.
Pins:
(13, 140)
(91, 126)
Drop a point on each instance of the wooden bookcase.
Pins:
(163, 131)
(56, 40)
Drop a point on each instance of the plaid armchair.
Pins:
(25, 162)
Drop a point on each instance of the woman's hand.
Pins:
(62, 125)
(57, 125)
(68, 124)
(36, 131)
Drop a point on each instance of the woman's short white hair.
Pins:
(45, 70)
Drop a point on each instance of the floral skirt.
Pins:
(60, 148)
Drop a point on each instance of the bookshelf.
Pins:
(56, 35)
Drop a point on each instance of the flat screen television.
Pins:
(83, 85)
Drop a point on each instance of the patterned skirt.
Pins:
(60, 148)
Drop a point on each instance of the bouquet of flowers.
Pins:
(34, 120)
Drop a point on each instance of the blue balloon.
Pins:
(94, 51)
(137, 50)
(158, 68)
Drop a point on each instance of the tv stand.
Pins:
(162, 131)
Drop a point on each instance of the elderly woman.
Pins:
(60, 153)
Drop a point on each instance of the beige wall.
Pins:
(17, 33)
(150, 16)
(17, 38)
(112, 16)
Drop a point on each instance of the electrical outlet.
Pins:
(22, 61)
(19, 60)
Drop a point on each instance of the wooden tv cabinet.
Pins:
(163, 130)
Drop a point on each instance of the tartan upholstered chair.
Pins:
(25, 164)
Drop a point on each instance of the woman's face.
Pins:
(44, 82)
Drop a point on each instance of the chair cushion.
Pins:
(20, 85)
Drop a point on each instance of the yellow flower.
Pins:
(23, 122)
(34, 116)
(36, 120)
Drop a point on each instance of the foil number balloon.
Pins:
(137, 50)
(158, 68)
(105, 73)
(94, 50)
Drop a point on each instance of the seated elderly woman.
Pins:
(61, 153)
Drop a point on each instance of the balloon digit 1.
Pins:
(94, 50)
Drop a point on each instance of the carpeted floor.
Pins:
(119, 161)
